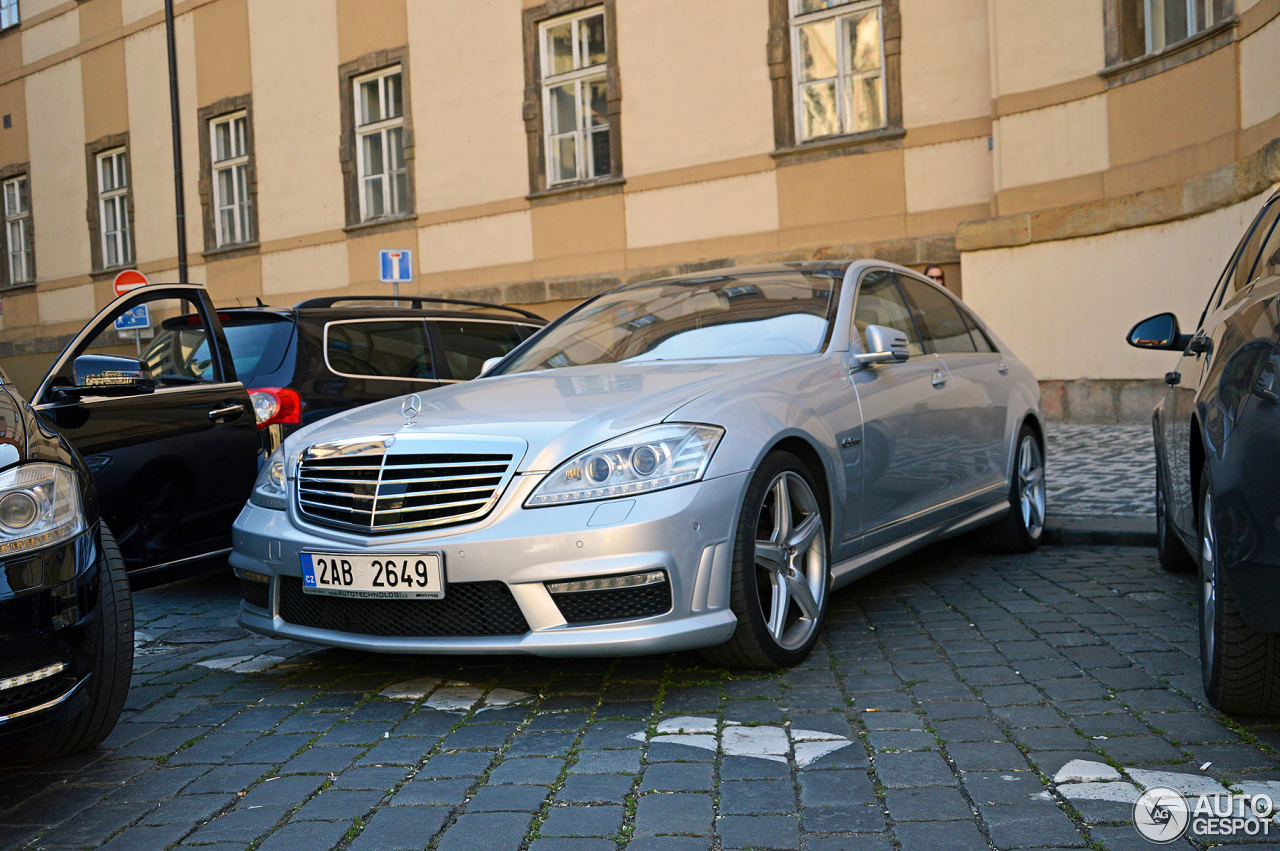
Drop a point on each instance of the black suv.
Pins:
(303, 363)
(66, 615)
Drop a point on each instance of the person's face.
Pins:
(937, 277)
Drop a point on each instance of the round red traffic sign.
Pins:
(128, 280)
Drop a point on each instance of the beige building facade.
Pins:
(1073, 166)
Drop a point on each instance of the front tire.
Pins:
(112, 636)
(1021, 529)
(781, 575)
(1240, 667)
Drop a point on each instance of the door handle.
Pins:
(1002, 368)
(939, 378)
(229, 411)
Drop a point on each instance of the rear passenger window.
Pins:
(468, 344)
(384, 348)
(944, 329)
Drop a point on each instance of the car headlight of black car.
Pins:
(39, 506)
(271, 490)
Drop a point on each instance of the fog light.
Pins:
(33, 677)
(608, 583)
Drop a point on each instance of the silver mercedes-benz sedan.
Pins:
(693, 462)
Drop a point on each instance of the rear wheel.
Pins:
(1020, 530)
(112, 634)
(781, 576)
(1172, 554)
(1240, 667)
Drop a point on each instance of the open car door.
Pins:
(148, 394)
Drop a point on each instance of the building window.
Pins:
(8, 14)
(17, 231)
(838, 50)
(575, 90)
(384, 176)
(229, 153)
(113, 208)
(1137, 28)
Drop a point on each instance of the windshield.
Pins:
(728, 316)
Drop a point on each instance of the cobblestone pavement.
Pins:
(1100, 470)
(957, 701)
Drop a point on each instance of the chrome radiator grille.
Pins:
(369, 489)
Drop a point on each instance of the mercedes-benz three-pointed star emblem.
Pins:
(411, 407)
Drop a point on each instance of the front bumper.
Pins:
(686, 531)
(48, 599)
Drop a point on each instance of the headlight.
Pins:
(39, 506)
(646, 460)
(270, 491)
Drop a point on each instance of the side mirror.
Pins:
(1158, 332)
(884, 345)
(488, 365)
(110, 375)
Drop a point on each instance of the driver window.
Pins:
(167, 333)
(880, 303)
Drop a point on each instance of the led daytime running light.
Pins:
(607, 583)
(33, 676)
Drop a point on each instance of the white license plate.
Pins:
(377, 577)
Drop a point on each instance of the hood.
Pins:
(558, 412)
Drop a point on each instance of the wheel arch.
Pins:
(812, 459)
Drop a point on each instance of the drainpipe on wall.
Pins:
(179, 195)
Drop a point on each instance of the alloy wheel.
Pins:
(1031, 488)
(1208, 582)
(791, 561)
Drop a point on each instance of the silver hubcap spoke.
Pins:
(1031, 487)
(791, 561)
(1208, 580)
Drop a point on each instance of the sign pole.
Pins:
(179, 195)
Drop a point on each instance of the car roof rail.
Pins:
(415, 302)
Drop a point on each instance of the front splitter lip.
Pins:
(628, 639)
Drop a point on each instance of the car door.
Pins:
(175, 465)
(902, 443)
(1192, 384)
(972, 411)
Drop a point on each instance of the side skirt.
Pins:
(863, 564)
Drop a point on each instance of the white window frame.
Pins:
(382, 130)
(580, 76)
(1194, 25)
(843, 78)
(20, 260)
(9, 14)
(116, 197)
(238, 164)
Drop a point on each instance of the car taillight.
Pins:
(273, 405)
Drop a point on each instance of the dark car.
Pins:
(328, 355)
(66, 615)
(168, 433)
(1217, 438)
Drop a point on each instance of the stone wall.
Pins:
(1101, 401)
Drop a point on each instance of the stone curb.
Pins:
(1101, 531)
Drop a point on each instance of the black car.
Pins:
(323, 356)
(1217, 438)
(168, 433)
(66, 615)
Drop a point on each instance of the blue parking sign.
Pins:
(134, 319)
(396, 265)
